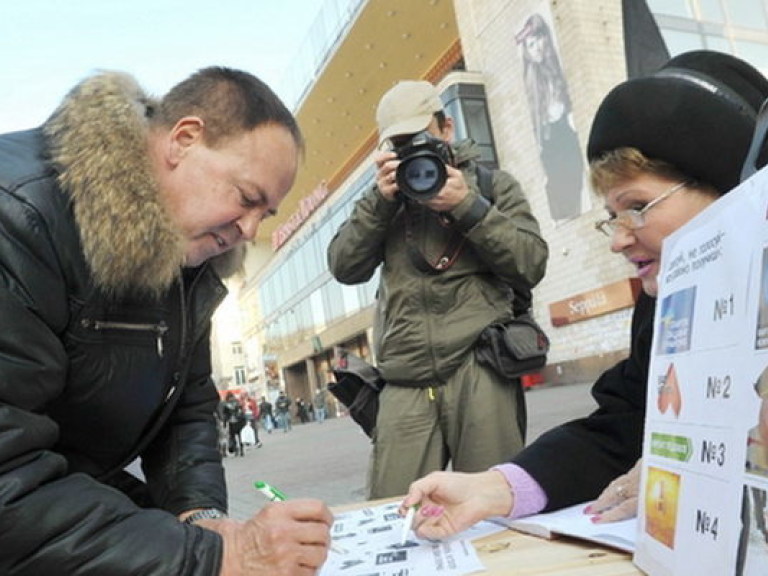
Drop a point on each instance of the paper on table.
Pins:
(573, 522)
(371, 538)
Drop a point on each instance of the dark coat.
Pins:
(574, 462)
(104, 353)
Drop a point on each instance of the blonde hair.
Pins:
(623, 164)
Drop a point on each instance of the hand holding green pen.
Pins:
(270, 492)
(276, 495)
(286, 538)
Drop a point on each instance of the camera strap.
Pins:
(448, 257)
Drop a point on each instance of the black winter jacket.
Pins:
(104, 353)
(574, 462)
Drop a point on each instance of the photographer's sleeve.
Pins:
(507, 235)
(357, 249)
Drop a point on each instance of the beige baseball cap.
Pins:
(407, 108)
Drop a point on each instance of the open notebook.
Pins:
(573, 522)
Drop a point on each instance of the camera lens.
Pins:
(421, 176)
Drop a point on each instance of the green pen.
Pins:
(275, 495)
(270, 492)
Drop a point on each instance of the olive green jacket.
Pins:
(425, 323)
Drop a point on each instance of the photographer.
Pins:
(451, 257)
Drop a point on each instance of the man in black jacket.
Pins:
(118, 218)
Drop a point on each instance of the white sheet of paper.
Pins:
(370, 539)
(573, 522)
(710, 348)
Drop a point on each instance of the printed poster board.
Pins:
(705, 470)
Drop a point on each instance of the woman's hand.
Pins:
(451, 502)
(619, 500)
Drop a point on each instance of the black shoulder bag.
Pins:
(357, 386)
(515, 346)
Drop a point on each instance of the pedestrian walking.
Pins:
(234, 416)
(283, 412)
(252, 417)
(302, 411)
(320, 404)
(266, 415)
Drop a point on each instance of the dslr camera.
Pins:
(421, 173)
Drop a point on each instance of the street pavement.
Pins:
(329, 461)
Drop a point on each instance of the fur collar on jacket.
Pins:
(98, 143)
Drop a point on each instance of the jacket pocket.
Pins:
(156, 330)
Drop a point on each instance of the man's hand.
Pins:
(454, 191)
(619, 500)
(386, 166)
(284, 539)
(451, 502)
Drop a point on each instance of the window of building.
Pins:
(746, 13)
(333, 300)
(671, 7)
(722, 25)
(754, 52)
(316, 308)
(467, 105)
(239, 375)
(711, 11)
(237, 348)
(678, 41)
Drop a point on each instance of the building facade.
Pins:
(522, 78)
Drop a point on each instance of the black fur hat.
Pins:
(697, 112)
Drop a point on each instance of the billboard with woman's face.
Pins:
(550, 107)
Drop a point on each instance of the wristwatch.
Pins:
(205, 514)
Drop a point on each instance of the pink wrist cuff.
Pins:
(529, 498)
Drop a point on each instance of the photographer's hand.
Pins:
(454, 191)
(386, 164)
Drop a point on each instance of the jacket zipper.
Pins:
(158, 329)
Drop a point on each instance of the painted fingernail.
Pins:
(588, 509)
(431, 511)
(596, 518)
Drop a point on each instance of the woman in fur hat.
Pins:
(662, 148)
(117, 219)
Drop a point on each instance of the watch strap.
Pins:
(205, 514)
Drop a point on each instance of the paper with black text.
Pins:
(370, 540)
(704, 477)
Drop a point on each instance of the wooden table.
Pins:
(512, 553)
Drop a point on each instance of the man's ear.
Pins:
(187, 132)
(449, 130)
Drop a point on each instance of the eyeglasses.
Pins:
(633, 219)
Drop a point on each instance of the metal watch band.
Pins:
(204, 514)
